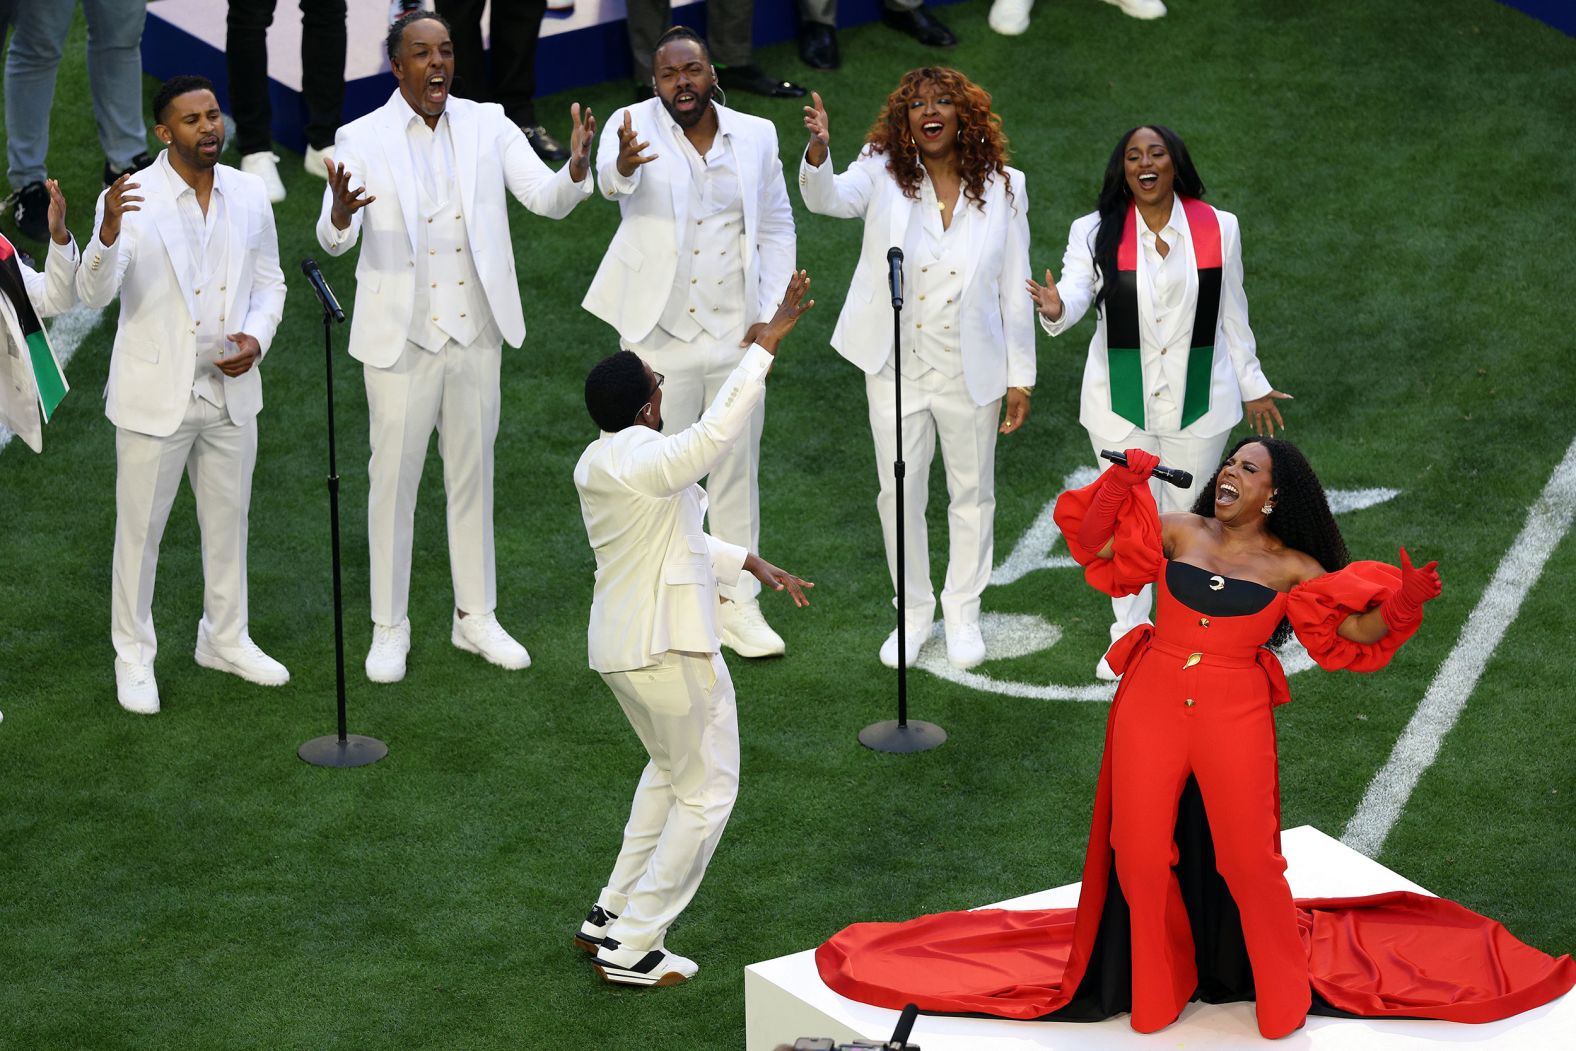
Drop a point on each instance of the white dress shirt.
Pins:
(708, 285)
(207, 236)
(935, 278)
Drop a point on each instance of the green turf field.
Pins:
(1400, 170)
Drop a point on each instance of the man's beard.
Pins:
(704, 102)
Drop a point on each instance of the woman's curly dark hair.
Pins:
(1116, 196)
(1302, 519)
(982, 147)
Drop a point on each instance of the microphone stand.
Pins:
(345, 749)
(901, 735)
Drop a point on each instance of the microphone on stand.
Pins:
(325, 295)
(895, 275)
(1175, 475)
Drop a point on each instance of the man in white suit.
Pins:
(705, 246)
(31, 382)
(195, 260)
(654, 637)
(436, 299)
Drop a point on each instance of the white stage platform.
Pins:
(785, 998)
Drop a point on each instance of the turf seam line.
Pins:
(1415, 750)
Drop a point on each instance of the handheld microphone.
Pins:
(895, 275)
(905, 1025)
(325, 295)
(1175, 475)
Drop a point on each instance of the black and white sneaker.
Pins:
(30, 207)
(592, 934)
(641, 966)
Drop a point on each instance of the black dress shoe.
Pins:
(818, 46)
(111, 173)
(542, 141)
(921, 25)
(750, 78)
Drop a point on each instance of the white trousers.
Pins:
(1198, 455)
(683, 711)
(218, 457)
(456, 391)
(693, 372)
(937, 406)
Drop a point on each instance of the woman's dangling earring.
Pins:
(1267, 509)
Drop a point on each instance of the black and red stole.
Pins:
(1123, 357)
(46, 374)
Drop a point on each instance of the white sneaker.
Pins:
(1010, 17)
(246, 659)
(266, 167)
(965, 644)
(313, 163)
(481, 633)
(386, 658)
(1104, 672)
(745, 631)
(135, 689)
(643, 966)
(560, 5)
(1145, 9)
(912, 641)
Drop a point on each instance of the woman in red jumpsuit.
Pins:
(1184, 892)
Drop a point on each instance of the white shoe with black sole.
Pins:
(592, 935)
(642, 966)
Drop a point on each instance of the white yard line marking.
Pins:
(66, 334)
(1415, 750)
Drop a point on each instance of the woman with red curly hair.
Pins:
(933, 179)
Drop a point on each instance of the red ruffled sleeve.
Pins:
(1317, 607)
(1139, 553)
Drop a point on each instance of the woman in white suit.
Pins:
(1172, 366)
(933, 178)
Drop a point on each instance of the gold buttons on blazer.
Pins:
(1193, 658)
(1189, 702)
(1203, 622)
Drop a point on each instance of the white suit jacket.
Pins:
(657, 571)
(155, 355)
(635, 278)
(998, 325)
(1235, 376)
(52, 292)
(491, 155)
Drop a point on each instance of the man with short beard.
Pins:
(190, 246)
(695, 271)
(436, 299)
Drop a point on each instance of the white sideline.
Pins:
(1415, 750)
(66, 334)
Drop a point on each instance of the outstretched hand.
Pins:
(1047, 300)
(347, 202)
(118, 200)
(57, 214)
(820, 135)
(1418, 585)
(778, 579)
(580, 138)
(630, 155)
(1264, 415)
(789, 311)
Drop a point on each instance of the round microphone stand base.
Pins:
(897, 736)
(354, 750)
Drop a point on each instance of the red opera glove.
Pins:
(1099, 525)
(1418, 585)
